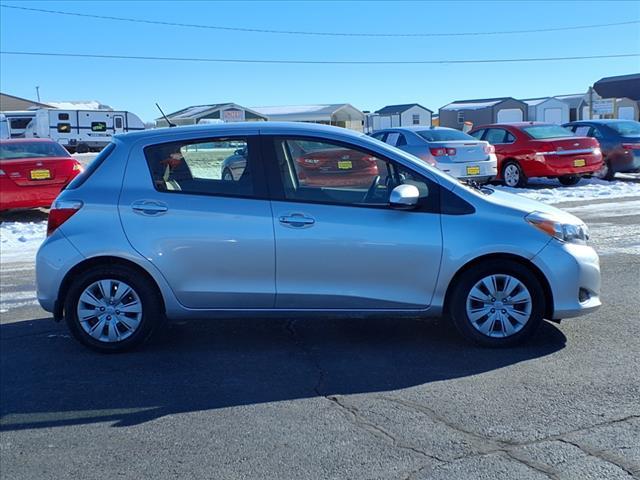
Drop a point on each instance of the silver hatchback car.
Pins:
(320, 221)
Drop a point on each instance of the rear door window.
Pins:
(495, 136)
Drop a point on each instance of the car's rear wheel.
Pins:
(513, 176)
(497, 303)
(112, 308)
(568, 180)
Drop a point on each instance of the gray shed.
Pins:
(483, 111)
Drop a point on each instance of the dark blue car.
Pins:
(619, 141)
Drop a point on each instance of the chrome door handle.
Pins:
(297, 220)
(149, 207)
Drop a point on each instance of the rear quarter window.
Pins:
(93, 166)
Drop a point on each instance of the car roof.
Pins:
(295, 128)
(27, 140)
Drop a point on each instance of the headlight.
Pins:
(565, 232)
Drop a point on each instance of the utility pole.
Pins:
(38, 93)
(590, 103)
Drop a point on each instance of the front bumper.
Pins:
(573, 273)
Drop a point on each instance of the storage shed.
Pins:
(547, 109)
(222, 112)
(483, 111)
(402, 116)
(573, 101)
(338, 114)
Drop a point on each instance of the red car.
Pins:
(337, 167)
(33, 171)
(530, 149)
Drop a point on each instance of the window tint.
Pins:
(495, 136)
(443, 135)
(19, 123)
(18, 150)
(539, 132)
(64, 127)
(392, 138)
(477, 134)
(626, 128)
(214, 167)
(118, 122)
(379, 136)
(582, 130)
(98, 126)
(337, 174)
(401, 140)
(63, 116)
(509, 138)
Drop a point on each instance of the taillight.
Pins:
(442, 151)
(60, 212)
(489, 149)
(631, 146)
(77, 167)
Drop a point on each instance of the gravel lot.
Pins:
(358, 399)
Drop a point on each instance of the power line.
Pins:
(325, 34)
(318, 62)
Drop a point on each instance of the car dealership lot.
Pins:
(334, 398)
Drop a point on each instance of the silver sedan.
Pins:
(452, 151)
(321, 221)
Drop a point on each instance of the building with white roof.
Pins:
(338, 114)
(217, 112)
(482, 112)
(548, 109)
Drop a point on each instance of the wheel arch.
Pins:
(95, 262)
(544, 283)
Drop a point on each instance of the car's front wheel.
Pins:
(497, 303)
(112, 308)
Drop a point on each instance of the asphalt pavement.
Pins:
(333, 399)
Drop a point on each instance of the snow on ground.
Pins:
(550, 191)
(19, 241)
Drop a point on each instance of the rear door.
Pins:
(339, 245)
(211, 238)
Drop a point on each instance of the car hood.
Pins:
(520, 205)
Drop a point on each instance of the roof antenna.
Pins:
(169, 122)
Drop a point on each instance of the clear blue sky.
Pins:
(136, 85)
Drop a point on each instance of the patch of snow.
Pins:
(19, 241)
(80, 105)
(549, 191)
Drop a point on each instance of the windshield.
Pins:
(18, 150)
(626, 129)
(540, 132)
(444, 135)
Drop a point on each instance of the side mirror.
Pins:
(404, 197)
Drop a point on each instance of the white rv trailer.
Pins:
(17, 121)
(81, 130)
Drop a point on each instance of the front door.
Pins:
(118, 123)
(338, 244)
(210, 237)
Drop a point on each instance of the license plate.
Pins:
(40, 174)
(345, 165)
(473, 170)
(579, 162)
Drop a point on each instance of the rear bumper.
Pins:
(573, 273)
(561, 165)
(29, 197)
(625, 161)
(486, 169)
(53, 260)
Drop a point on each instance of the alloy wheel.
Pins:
(511, 175)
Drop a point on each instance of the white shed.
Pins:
(548, 109)
(401, 116)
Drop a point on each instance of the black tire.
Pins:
(152, 311)
(521, 180)
(82, 148)
(457, 303)
(569, 180)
